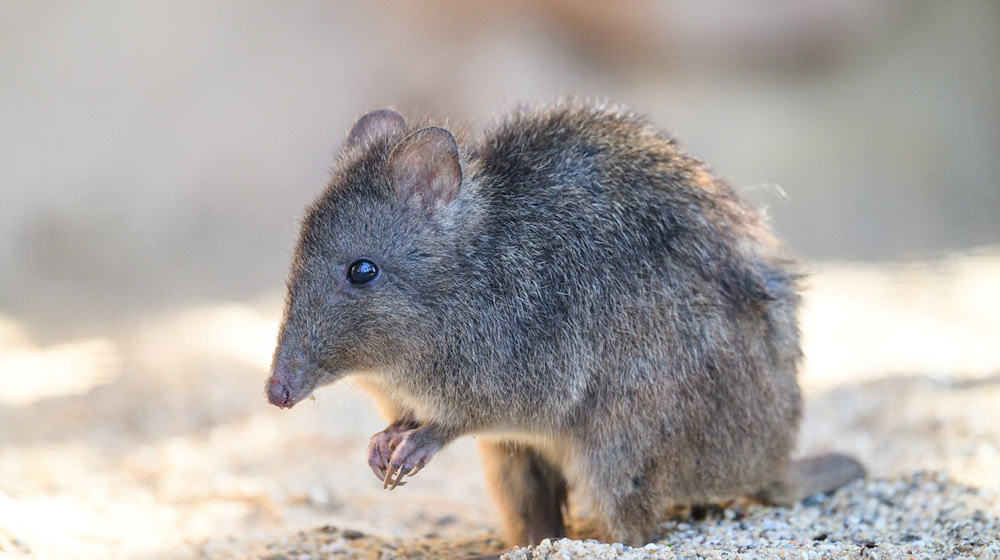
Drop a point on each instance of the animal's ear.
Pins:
(376, 124)
(424, 168)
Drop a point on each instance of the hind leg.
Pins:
(626, 492)
(530, 490)
(629, 517)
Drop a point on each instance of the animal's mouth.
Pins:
(288, 387)
(279, 394)
(284, 391)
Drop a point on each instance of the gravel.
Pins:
(923, 515)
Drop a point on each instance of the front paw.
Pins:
(384, 443)
(411, 454)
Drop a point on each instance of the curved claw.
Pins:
(391, 477)
(403, 471)
(387, 478)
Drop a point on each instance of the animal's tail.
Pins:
(812, 475)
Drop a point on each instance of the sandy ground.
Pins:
(157, 442)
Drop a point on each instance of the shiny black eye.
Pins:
(362, 271)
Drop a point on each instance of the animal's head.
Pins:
(372, 259)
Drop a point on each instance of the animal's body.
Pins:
(605, 313)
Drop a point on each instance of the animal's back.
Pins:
(647, 286)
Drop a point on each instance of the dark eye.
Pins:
(362, 271)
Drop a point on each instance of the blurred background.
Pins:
(155, 159)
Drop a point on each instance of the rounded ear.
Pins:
(424, 168)
(374, 125)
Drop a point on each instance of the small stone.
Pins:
(446, 520)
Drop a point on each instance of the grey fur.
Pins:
(596, 305)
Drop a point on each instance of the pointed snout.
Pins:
(279, 393)
(290, 382)
(295, 373)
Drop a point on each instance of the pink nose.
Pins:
(279, 394)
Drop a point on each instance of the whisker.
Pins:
(285, 250)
